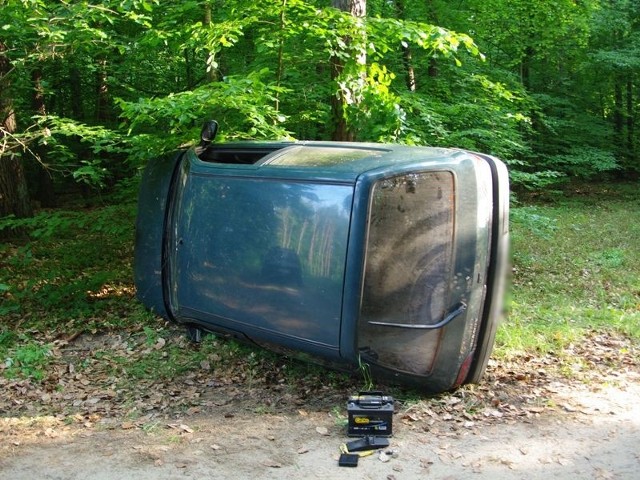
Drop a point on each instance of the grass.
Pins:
(576, 269)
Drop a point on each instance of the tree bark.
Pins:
(342, 131)
(102, 92)
(618, 113)
(631, 147)
(44, 192)
(280, 66)
(212, 73)
(407, 58)
(14, 195)
(75, 85)
(525, 67)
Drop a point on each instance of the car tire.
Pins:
(484, 349)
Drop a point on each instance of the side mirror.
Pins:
(208, 133)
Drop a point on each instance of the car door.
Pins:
(253, 251)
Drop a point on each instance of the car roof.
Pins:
(339, 159)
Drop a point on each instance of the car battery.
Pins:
(370, 414)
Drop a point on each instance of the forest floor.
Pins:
(528, 419)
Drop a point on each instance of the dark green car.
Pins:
(389, 255)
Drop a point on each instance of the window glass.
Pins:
(408, 269)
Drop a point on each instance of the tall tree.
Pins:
(44, 189)
(14, 197)
(348, 80)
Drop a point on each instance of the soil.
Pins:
(526, 420)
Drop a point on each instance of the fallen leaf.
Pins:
(322, 430)
(493, 413)
(411, 417)
(186, 428)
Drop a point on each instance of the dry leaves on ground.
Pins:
(87, 383)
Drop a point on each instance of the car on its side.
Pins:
(352, 253)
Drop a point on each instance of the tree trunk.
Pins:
(525, 67)
(410, 78)
(14, 195)
(44, 192)
(212, 72)
(357, 8)
(342, 131)
(407, 58)
(75, 85)
(280, 66)
(433, 70)
(618, 114)
(630, 121)
(102, 92)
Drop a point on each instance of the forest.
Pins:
(90, 91)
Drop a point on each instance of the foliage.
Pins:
(242, 105)
(543, 86)
(28, 360)
(584, 162)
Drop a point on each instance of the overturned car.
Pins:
(352, 253)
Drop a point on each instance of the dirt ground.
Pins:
(513, 426)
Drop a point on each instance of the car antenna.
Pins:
(208, 133)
